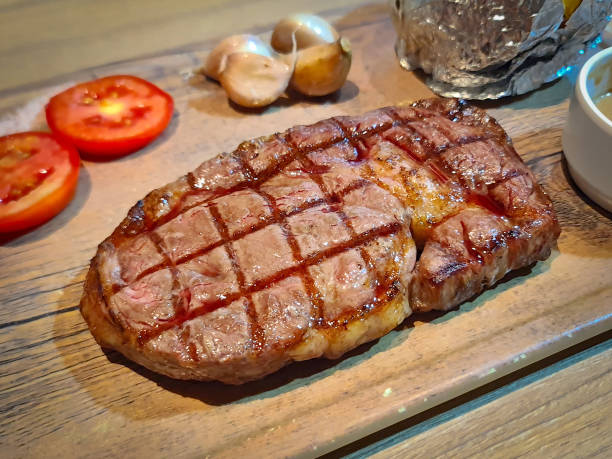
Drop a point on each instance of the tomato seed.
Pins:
(19, 190)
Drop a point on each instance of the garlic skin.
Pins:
(244, 43)
(322, 69)
(254, 80)
(309, 30)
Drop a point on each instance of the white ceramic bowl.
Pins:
(587, 137)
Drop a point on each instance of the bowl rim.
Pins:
(583, 96)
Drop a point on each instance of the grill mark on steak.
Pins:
(486, 202)
(178, 306)
(366, 171)
(257, 333)
(334, 200)
(257, 336)
(178, 298)
(360, 134)
(404, 124)
(414, 157)
(250, 173)
(191, 180)
(370, 175)
(430, 149)
(309, 284)
(436, 171)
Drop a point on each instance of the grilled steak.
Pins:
(311, 242)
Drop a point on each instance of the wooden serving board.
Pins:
(62, 396)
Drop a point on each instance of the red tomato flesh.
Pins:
(112, 116)
(38, 178)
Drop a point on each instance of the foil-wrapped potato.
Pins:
(483, 49)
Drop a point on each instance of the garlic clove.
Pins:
(309, 30)
(253, 80)
(322, 69)
(234, 44)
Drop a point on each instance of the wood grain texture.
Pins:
(61, 395)
(41, 39)
(563, 409)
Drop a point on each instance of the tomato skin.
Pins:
(35, 209)
(67, 115)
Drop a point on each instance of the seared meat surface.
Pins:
(311, 242)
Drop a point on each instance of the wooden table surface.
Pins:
(557, 402)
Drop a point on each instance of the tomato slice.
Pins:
(111, 116)
(38, 178)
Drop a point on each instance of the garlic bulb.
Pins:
(316, 62)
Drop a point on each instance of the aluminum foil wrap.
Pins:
(479, 49)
